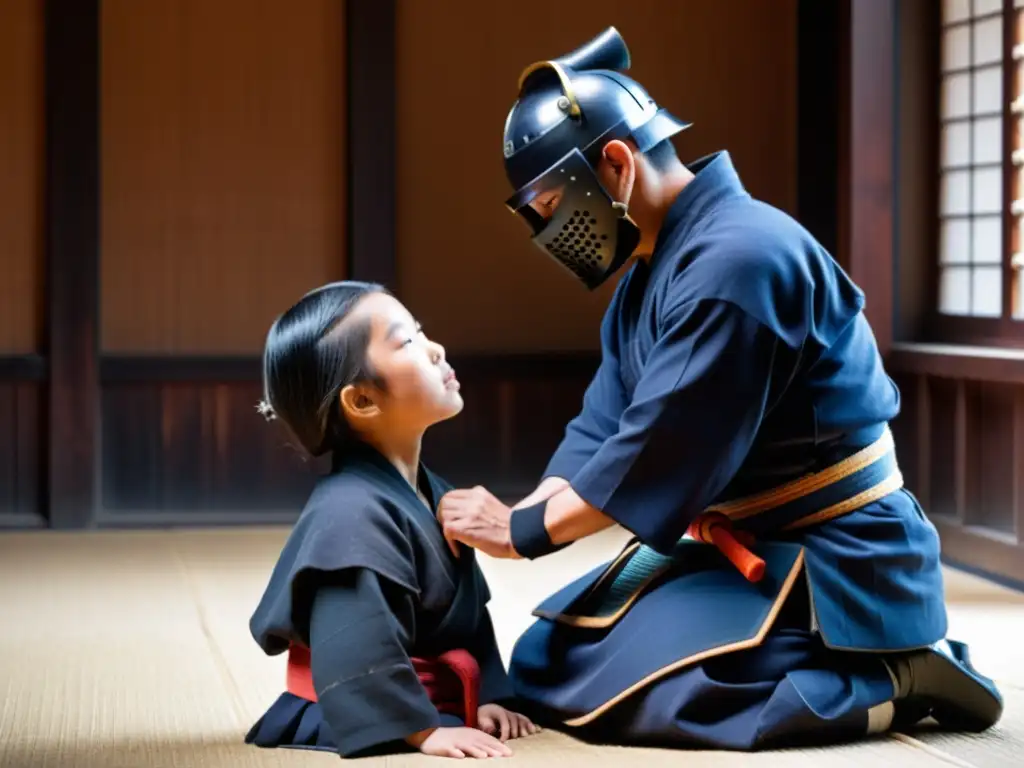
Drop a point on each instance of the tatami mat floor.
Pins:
(131, 650)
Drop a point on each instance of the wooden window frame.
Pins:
(1003, 331)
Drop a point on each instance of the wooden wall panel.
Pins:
(175, 450)
(905, 429)
(223, 141)
(20, 454)
(192, 448)
(990, 456)
(961, 445)
(942, 449)
(21, 174)
(516, 411)
(465, 265)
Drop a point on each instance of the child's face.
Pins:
(420, 386)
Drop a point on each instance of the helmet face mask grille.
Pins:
(582, 234)
(584, 244)
(588, 233)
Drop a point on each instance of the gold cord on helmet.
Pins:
(563, 80)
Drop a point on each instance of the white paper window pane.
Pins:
(955, 10)
(985, 7)
(987, 240)
(988, 190)
(956, 144)
(955, 290)
(988, 89)
(1016, 3)
(956, 95)
(988, 140)
(987, 292)
(988, 41)
(955, 195)
(956, 48)
(955, 240)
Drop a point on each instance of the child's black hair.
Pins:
(311, 354)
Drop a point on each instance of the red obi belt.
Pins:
(452, 681)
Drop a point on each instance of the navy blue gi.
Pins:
(366, 581)
(735, 361)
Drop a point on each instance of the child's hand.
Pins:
(459, 742)
(506, 725)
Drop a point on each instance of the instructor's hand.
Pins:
(477, 519)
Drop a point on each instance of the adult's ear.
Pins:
(617, 170)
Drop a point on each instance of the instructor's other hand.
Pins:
(477, 519)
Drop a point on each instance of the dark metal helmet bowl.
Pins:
(568, 109)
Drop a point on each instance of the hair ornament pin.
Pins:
(266, 410)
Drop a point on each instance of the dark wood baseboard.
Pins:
(976, 550)
(982, 573)
(193, 447)
(183, 444)
(23, 368)
(516, 411)
(20, 521)
(960, 443)
(22, 444)
(194, 518)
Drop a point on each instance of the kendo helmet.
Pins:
(567, 110)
